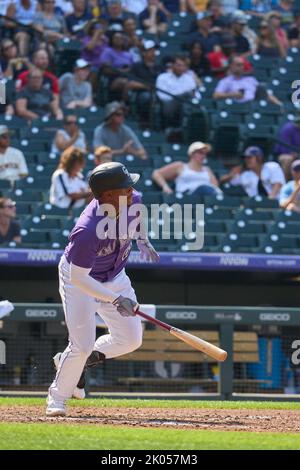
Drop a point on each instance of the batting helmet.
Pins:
(111, 175)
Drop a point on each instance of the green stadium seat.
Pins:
(287, 216)
(261, 202)
(43, 223)
(285, 228)
(242, 226)
(224, 215)
(233, 107)
(237, 243)
(48, 210)
(34, 238)
(5, 185)
(39, 183)
(222, 200)
(281, 244)
(227, 141)
(58, 239)
(26, 195)
(23, 208)
(253, 214)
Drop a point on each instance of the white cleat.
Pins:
(78, 393)
(55, 408)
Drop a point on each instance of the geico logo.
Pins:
(41, 313)
(275, 316)
(181, 315)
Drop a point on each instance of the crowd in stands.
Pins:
(129, 53)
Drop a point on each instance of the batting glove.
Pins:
(126, 307)
(147, 251)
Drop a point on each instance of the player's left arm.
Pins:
(144, 245)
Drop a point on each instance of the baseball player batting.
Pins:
(92, 279)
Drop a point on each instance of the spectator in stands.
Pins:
(219, 20)
(204, 33)
(229, 6)
(94, 43)
(130, 27)
(34, 101)
(50, 81)
(134, 6)
(267, 42)
(195, 6)
(192, 178)
(102, 154)
(51, 24)
(289, 134)
(68, 188)
(115, 134)
(12, 162)
(11, 64)
(199, 62)
(153, 19)
(239, 87)
(245, 38)
(256, 176)
(115, 13)
(23, 11)
(219, 60)
(9, 229)
(75, 89)
(116, 60)
(274, 20)
(69, 136)
(285, 7)
(77, 20)
(180, 84)
(290, 192)
(64, 7)
(257, 7)
(294, 31)
(144, 75)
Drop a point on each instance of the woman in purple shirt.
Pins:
(94, 44)
(116, 60)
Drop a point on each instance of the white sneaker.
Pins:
(55, 407)
(78, 393)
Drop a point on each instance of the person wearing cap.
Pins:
(35, 101)
(192, 178)
(287, 148)
(69, 135)
(75, 89)
(12, 162)
(68, 188)
(116, 135)
(93, 279)
(239, 21)
(77, 20)
(153, 19)
(204, 33)
(256, 176)
(289, 198)
(10, 230)
(144, 75)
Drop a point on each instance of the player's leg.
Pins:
(125, 333)
(79, 310)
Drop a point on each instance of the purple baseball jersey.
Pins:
(105, 256)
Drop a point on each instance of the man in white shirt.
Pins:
(180, 83)
(134, 6)
(259, 178)
(12, 162)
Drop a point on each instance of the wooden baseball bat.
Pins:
(207, 348)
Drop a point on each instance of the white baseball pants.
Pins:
(125, 333)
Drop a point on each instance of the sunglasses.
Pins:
(4, 136)
(9, 206)
(71, 122)
(119, 114)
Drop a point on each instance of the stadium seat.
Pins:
(223, 201)
(237, 243)
(255, 214)
(50, 211)
(261, 202)
(227, 141)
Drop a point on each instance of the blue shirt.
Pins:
(262, 6)
(75, 24)
(286, 192)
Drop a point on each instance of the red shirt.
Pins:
(50, 81)
(219, 60)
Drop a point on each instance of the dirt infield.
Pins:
(231, 420)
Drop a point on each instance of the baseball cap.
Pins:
(112, 108)
(296, 165)
(4, 130)
(203, 14)
(240, 17)
(81, 64)
(148, 44)
(253, 152)
(111, 175)
(198, 146)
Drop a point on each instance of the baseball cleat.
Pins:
(55, 408)
(78, 392)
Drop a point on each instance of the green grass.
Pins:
(56, 436)
(132, 403)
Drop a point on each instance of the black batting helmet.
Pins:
(111, 175)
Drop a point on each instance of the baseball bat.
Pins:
(207, 348)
